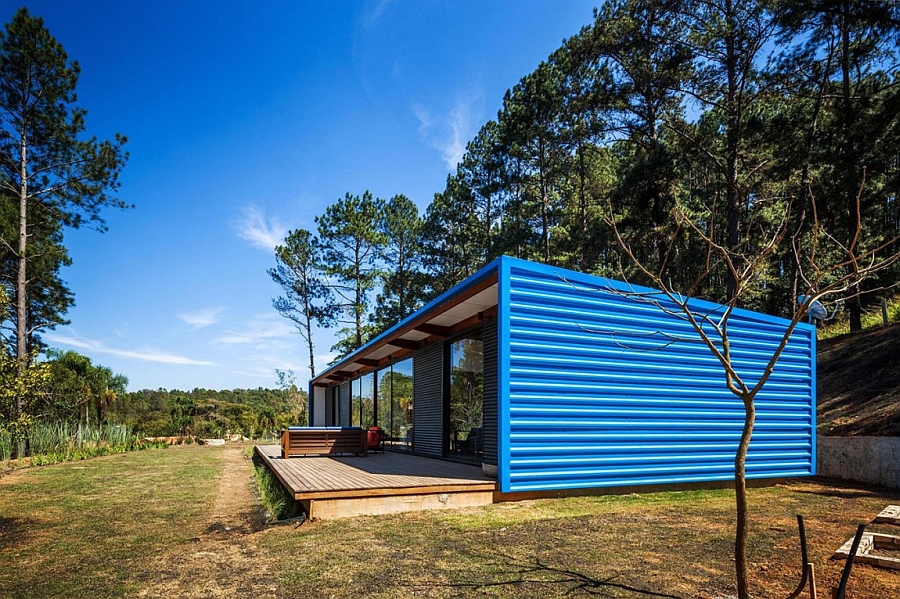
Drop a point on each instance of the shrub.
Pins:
(279, 504)
(53, 442)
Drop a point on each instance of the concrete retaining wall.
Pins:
(874, 460)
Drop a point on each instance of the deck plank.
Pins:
(390, 473)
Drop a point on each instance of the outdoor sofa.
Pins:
(323, 440)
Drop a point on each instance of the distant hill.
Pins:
(859, 383)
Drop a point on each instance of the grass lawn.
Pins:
(89, 528)
(126, 525)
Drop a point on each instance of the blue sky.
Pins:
(244, 123)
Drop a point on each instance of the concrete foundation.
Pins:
(874, 460)
(328, 509)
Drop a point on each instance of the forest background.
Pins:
(733, 113)
(661, 127)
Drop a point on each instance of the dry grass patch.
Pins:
(660, 545)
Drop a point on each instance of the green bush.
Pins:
(871, 318)
(6, 447)
(279, 504)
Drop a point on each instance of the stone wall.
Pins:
(874, 460)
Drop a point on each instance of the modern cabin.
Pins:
(554, 380)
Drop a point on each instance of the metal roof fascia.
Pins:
(486, 271)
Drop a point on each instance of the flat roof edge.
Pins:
(489, 270)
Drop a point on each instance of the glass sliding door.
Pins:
(367, 400)
(385, 398)
(401, 420)
(465, 390)
(383, 401)
(355, 402)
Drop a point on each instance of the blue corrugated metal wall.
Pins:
(594, 395)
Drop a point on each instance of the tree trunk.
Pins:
(545, 220)
(804, 195)
(357, 309)
(22, 274)
(309, 342)
(732, 135)
(582, 205)
(357, 306)
(740, 496)
(402, 276)
(851, 176)
(488, 218)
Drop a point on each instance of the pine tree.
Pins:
(307, 299)
(351, 241)
(402, 279)
(51, 176)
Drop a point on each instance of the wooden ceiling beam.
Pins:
(433, 329)
(405, 343)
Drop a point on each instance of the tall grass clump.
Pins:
(279, 504)
(50, 442)
(6, 447)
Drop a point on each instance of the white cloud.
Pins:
(425, 120)
(460, 123)
(146, 355)
(259, 231)
(203, 317)
(259, 331)
(450, 133)
(322, 361)
(373, 11)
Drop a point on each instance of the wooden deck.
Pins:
(334, 487)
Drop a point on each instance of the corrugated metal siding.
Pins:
(489, 410)
(344, 404)
(428, 401)
(605, 391)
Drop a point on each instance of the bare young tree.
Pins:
(829, 269)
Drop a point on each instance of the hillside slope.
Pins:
(859, 383)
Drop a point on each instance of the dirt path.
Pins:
(224, 560)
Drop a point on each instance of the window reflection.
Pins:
(367, 400)
(385, 398)
(401, 420)
(466, 397)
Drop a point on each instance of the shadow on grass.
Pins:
(14, 530)
(843, 489)
(517, 572)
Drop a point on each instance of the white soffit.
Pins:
(384, 350)
(413, 335)
(486, 298)
(470, 307)
(467, 308)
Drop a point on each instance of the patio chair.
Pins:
(375, 438)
